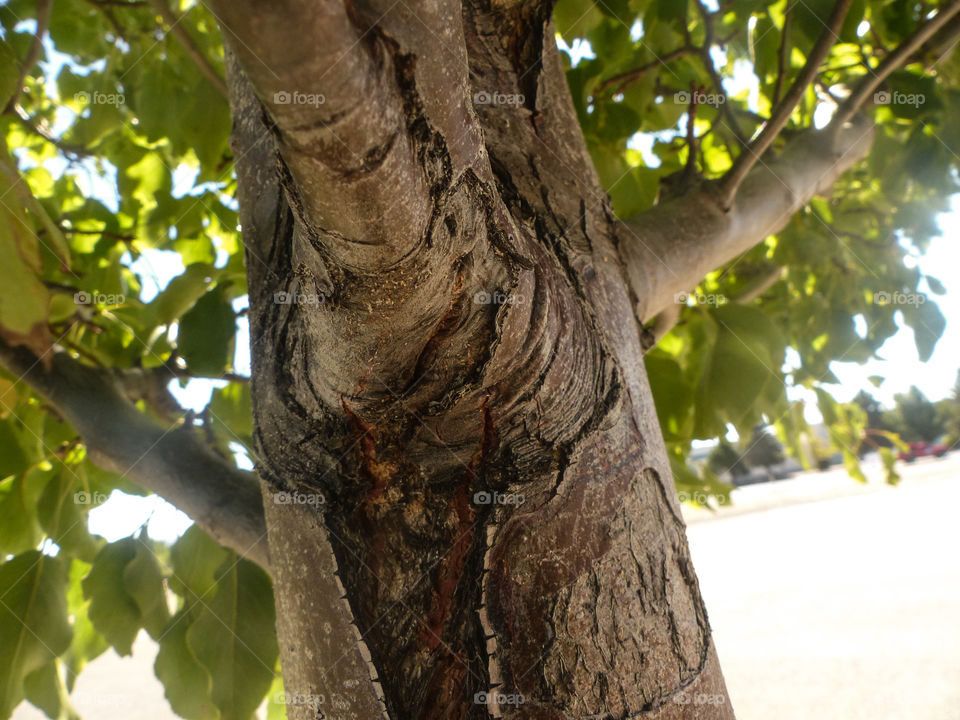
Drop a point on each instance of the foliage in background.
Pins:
(841, 278)
(114, 145)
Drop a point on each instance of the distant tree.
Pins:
(725, 458)
(762, 450)
(915, 417)
(948, 411)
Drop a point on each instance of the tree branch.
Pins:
(631, 76)
(175, 464)
(33, 54)
(748, 158)
(190, 47)
(341, 106)
(715, 78)
(891, 62)
(783, 57)
(669, 248)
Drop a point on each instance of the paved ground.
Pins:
(829, 600)
(835, 600)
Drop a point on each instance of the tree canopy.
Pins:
(114, 149)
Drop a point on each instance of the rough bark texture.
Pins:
(466, 390)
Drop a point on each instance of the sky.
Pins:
(122, 515)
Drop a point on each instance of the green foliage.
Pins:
(843, 261)
(762, 449)
(34, 628)
(218, 652)
(915, 417)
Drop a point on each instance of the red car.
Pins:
(923, 449)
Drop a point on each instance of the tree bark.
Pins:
(466, 397)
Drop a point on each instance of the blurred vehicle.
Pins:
(923, 449)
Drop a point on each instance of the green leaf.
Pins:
(33, 621)
(9, 72)
(672, 395)
(205, 338)
(230, 406)
(18, 527)
(234, 638)
(113, 611)
(276, 707)
(63, 518)
(44, 688)
(87, 643)
(13, 459)
(24, 300)
(928, 324)
(195, 558)
(182, 293)
(143, 581)
(186, 683)
(889, 460)
(745, 357)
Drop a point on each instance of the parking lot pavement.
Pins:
(835, 600)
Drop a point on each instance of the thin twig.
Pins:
(74, 152)
(631, 76)
(189, 46)
(892, 62)
(783, 56)
(33, 54)
(710, 41)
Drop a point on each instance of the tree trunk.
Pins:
(448, 384)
